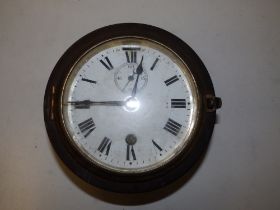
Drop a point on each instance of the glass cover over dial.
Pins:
(130, 105)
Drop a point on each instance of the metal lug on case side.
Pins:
(212, 103)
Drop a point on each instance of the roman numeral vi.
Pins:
(130, 152)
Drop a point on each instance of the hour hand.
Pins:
(139, 70)
(85, 104)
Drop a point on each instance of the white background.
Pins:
(239, 42)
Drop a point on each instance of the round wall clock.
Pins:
(130, 108)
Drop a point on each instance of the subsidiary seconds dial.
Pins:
(125, 107)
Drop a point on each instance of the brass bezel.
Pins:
(193, 127)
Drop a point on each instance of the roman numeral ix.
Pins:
(178, 103)
(86, 127)
(105, 144)
(172, 127)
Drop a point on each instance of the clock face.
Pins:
(130, 108)
(129, 105)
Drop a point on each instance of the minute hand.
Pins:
(87, 103)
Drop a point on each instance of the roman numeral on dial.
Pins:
(156, 145)
(131, 54)
(105, 144)
(130, 153)
(172, 127)
(171, 80)
(154, 64)
(107, 63)
(178, 103)
(89, 80)
(86, 127)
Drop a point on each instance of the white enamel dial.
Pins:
(130, 105)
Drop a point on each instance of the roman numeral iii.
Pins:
(105, 144)
(86, 127)
(178, 103)
(107, 63)
(172, 127)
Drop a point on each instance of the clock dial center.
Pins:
(132, 104)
